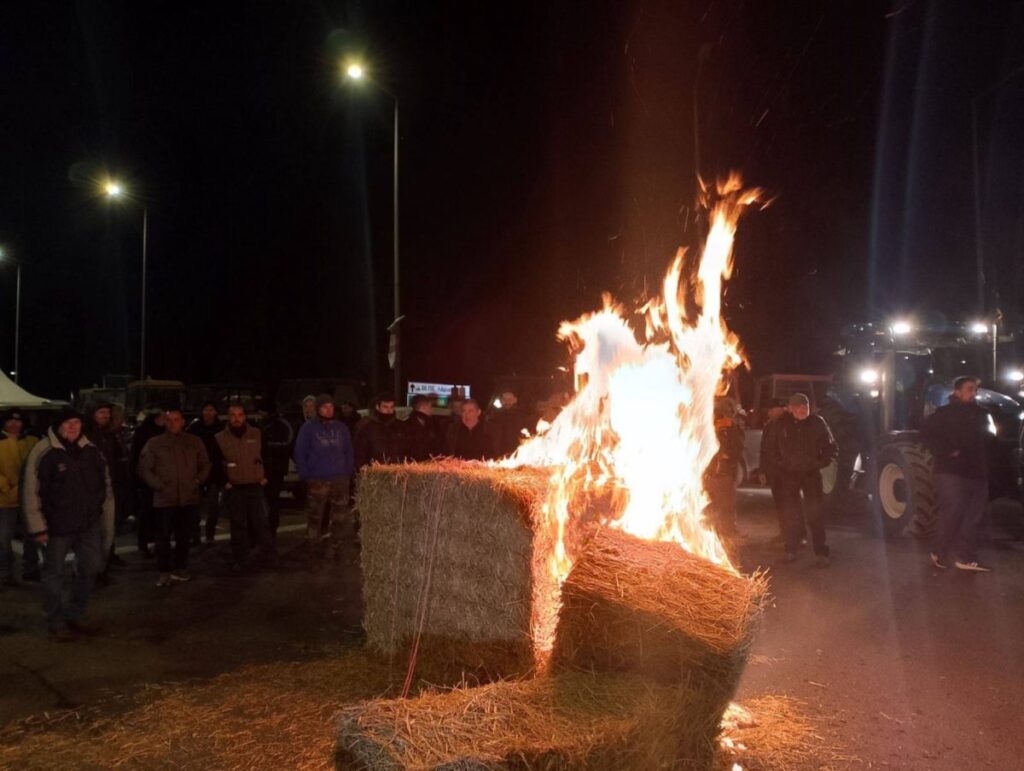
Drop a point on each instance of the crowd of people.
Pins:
(73, 489)
(76, 487)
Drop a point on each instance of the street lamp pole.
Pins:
(142, 346)
(398, 298)
(17, 322)
(355, 71)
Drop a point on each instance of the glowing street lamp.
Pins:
(355, 71)
(115, 191)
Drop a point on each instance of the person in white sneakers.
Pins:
(174, 465)
(957, 435)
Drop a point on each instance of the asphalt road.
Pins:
(914, 667)
(905, 666)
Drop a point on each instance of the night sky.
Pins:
(547, 154)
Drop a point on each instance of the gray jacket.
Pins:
(174, 466)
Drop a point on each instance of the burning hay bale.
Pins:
(574, 720)
(654, 609)
(448, 557)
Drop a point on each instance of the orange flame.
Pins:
(630, 450)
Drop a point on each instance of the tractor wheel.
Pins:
(837, 478)
(905, 489)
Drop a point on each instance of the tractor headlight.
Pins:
(869, 376)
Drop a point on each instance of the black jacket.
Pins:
(66, 488)
(479, 443)
(769, 437)
(421, 438)
(957, 435)
(802, 446)
(730, 449)
(109, 443)
(378, 440)
(208, 434)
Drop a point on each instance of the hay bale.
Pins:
(573, 720)
(448, 554)
(654, 609)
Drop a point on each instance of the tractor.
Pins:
(889, 379)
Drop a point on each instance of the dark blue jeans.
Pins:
(8, 523)
(89, 560)
(247, 507)
(961, 503)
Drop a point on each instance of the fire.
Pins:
(631, 448)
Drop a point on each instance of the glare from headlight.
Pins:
(992, 426)
(1015, 376)
(869, 376)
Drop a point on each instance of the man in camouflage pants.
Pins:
(323, 456)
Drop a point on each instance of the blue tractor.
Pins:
(889, 379)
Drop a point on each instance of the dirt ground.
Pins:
(896, 664)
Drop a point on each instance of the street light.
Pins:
(355, 71)
(114, 190)
(17, 311)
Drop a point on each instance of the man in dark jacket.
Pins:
(957, 434)
(175, 466)
(720, 477)
(421, 438)
(66, 495)
(379, 436)
(206, 428)
(471, 438)
(145, 527)
(511, 423)
(803, 447)
(101, 433)
(278, 437)
(241, 450)
(323, 456)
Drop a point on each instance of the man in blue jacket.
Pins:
(323, 456)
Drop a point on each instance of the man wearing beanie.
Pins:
(802, 447)
(323, 456)
(14, 450)
(67, 496)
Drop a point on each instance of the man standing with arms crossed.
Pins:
(957, 434)
(323, 456)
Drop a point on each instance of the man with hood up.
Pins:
(323, 456)
(67, 496)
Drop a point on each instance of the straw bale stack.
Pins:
(654, 609)
(574, 720)
(448, 557)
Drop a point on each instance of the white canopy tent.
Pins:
(13, 395)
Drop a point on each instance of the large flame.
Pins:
(630, 450)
